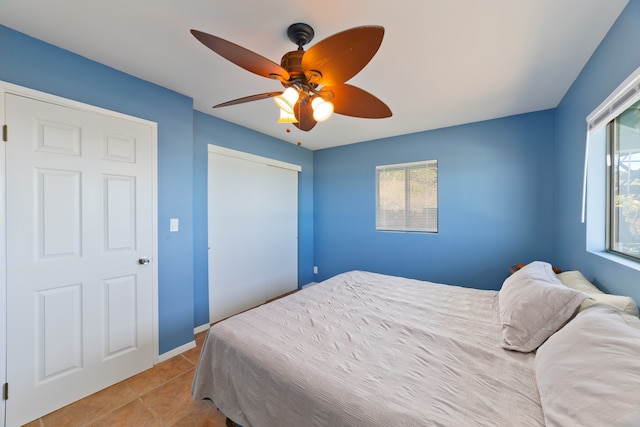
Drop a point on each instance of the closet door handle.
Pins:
(144, 260)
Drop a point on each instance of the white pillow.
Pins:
(575, 280)
(533, 305)
(588, 373)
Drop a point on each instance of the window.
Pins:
(623, 182)
(611, 187)
(407, 197)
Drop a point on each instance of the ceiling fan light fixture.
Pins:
(287, 100)
(319, 72)
(287, 117)
(322, 109)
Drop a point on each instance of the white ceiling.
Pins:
(441, 63)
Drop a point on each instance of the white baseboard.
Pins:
(309, 284)
(188, 346)
(201, 328)
(176, 351)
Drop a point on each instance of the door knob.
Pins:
(144, 260)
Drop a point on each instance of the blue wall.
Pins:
(495, 203)
(210, 130)
(510, 190)
(615, 59)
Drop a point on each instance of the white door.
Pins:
(3, 277)
(79, 188)
(253, 230)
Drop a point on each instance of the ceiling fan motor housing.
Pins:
(300, 34)
(292, 62)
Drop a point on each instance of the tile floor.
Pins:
(160, 396)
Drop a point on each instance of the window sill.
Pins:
(626, 262)
(408, 230)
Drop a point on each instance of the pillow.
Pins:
(533, 305)
(575, 280)
(588, 373)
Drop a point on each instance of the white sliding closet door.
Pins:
(253, 230)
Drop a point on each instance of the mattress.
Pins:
(365, 349)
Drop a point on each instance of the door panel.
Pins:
(121, 314)
(79, 216)
(120, 204)
(58, 213)
(59, 331)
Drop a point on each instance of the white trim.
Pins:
(154, 265)
(619, 100)
(407, 230)
(6, 87)
(201, 328)
(65, 102)
(252, 157)
(3, 261)
(405, 165)
(176, 351)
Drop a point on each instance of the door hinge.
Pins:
(5, 391)
(5, 133)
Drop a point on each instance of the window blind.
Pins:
(407, 197)
(625, 95)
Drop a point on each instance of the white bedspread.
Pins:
(364, 349)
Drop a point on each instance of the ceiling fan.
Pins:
(314, 80)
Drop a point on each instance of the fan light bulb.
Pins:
(287, 117)
(287, 100)
(322, 109)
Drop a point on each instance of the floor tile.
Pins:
(134, 413)
(161, 373)
(194, 354)
(94, 406)
(204, 414)
(160, 396)
(173, 402)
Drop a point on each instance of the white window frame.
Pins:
(594, 200)
(616, 216)
(380, 226)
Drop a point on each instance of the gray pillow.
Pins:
(533, 305)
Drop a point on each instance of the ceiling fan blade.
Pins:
(352, 101)
(343, 55)
(304, 114)
(242, 57)
(248, 99)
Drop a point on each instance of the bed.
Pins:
(365, 349)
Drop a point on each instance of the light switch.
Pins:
(173, 224)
